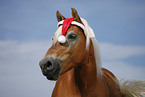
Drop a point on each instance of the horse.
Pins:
(74, 62)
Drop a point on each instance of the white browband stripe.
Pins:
(80, 25)
(74, 23)
(60, 23)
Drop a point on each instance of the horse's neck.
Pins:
(88, 82)
(86, 74)
(81, 81)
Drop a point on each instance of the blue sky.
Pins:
(26, 28)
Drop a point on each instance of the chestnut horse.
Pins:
(74, 61)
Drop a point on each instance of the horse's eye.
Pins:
(72, 36)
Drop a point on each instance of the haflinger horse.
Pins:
(74, 61)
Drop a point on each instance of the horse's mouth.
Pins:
(55, 75)
(50, 68)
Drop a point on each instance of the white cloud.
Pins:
(112, 52)
(20, 73)
(124, 70)
(113, 56)
(19, 69)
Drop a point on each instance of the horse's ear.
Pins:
(75, 15)
(59, 16)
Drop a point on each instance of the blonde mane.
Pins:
(91, 35)
(133, 88)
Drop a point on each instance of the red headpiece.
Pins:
(66, 24)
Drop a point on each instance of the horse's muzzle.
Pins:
(50, 68)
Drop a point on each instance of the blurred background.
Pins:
(26, 28)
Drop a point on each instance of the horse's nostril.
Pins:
(49, 65)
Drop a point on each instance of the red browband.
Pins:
(66, 25)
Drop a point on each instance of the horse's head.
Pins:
(69, 48)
